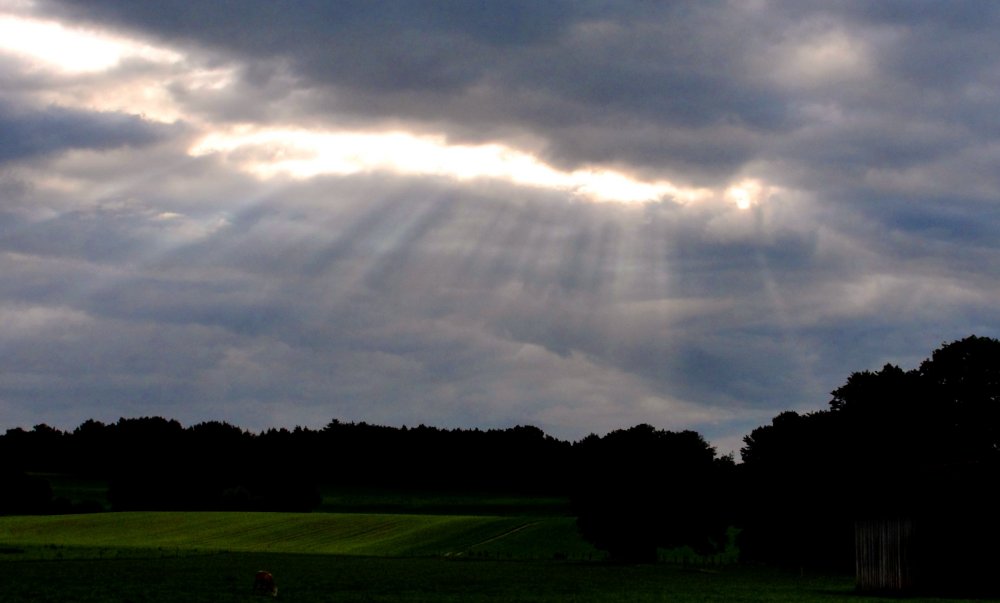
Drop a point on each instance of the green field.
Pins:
(154, 557)
(365, 534)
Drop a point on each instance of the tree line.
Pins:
(922, 443)
(153, 463)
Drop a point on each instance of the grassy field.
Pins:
(316, 533)
(153, 557)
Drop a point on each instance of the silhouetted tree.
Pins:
(92, 449)
(792, 492)
(963, 380)
(894, 444)
(146, 473)
(642, 488)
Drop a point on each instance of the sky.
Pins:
(574, 215)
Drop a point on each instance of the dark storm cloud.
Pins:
(29, 133)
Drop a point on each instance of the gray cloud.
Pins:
(29, 133)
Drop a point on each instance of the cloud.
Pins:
(541, 68)
(30, 133)
(841, 213)
(818, 96)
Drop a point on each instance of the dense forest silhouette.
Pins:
(923, 444)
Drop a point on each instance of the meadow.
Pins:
(359, 534)
(153, 557)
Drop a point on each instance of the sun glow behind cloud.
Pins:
(289, 151)
(73, 49)
(84, 57)
(296, 153)
(749, 192)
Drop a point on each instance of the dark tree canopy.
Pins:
(963, 378)
(921, 444)
(153, 463)
(645, 488)
(23, 494)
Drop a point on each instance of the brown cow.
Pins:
(263, 584)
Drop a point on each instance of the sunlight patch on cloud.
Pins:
(71, 49)
(817, 55)
(268, 153)
(168, 215)
(149, 93)
(83, 58)
(749, 192)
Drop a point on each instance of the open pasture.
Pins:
(315, 533)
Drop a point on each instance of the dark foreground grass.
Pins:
(229, 576)
(148, 576)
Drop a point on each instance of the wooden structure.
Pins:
(884, 555)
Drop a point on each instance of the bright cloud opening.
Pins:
(749, 193)
(269, 152)
(303, 154)
(84, 54)
(73, 49)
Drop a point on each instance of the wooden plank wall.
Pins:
(884, 555)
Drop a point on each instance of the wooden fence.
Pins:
(884, 555)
